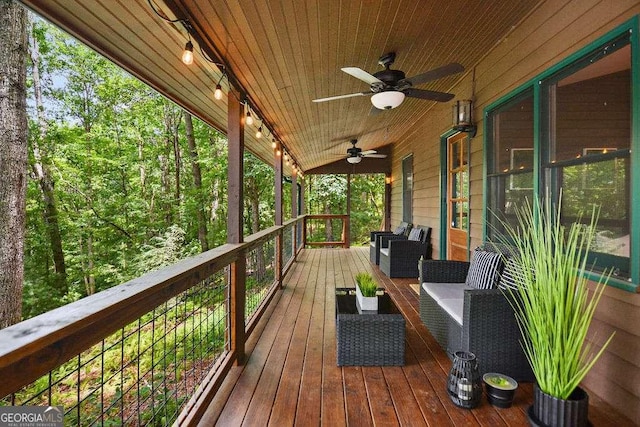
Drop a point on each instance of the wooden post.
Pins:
(294, 210)
(302, 212)
(347, 221)
(235, 172)
(387, 202)
(277, 166)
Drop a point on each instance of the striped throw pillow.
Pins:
(511, 276)
(484, 270)
(415, 234)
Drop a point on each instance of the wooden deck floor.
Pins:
(291, 378)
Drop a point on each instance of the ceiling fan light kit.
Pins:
(389, 87)
(387, 100)
(354, 160)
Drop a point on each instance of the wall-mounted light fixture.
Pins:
(387, 180)
(463, 117)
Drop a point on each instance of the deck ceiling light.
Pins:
(354, 159)
(218, 93)
(187, 53)
(249, 119)
(463, 117)
(387, 100)
(259, 132)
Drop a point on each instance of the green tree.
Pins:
(13, 158)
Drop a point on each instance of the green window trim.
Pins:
(632, 29)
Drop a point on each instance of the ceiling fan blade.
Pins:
(351, 95)
(360, 74)
(429, 94)
(367, 152)
(435, 74)
(375, 156)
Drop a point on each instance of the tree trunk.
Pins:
(43, 174)
(197, 182)
(328, 227)
(253, 194)
(13, 158)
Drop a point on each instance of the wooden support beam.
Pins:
(346, 224)
(235, 194)
(294, 210)
(277, 166)
(387, 202)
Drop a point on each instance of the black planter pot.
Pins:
(500, 395)
(550, 411)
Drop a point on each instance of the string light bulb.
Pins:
(187, 53)
(274, 144)
(278, 153)
(259, 132)
(218, 93)
(249, 119)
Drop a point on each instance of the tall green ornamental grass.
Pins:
(553, 305)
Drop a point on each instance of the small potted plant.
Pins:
(366, 289)
(500, 389)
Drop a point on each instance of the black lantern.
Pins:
(465, 385)
(463, 117)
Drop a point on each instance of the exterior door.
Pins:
(458, 197)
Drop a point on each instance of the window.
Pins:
(510, 163)
(587, 140)
(459, 182)
(407, 189)
(581, 148)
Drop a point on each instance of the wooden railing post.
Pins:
(346, 224)
(387, 202)
(235, 172)
(294, 212)
(277, 161)
(304, 232)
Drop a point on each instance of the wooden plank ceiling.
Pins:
(284, 53)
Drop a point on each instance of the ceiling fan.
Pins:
(355, 154)
(388, 87)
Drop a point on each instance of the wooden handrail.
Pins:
(32, 348)
(345, 239)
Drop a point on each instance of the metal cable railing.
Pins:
(146, 371)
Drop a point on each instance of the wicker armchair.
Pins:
(399, 256)
(489, 328)
(374, 245)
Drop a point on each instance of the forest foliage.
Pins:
(123, 181)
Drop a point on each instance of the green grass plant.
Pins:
(553, 304)
(367, 285)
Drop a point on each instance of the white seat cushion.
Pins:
(439, 291)
(454, 308)
(384, 251)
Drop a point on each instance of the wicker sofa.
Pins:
(462, 317)
(402, 231)
(399, 255)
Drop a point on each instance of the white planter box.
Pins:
(366, 303)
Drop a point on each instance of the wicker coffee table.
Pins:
(368, 339)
